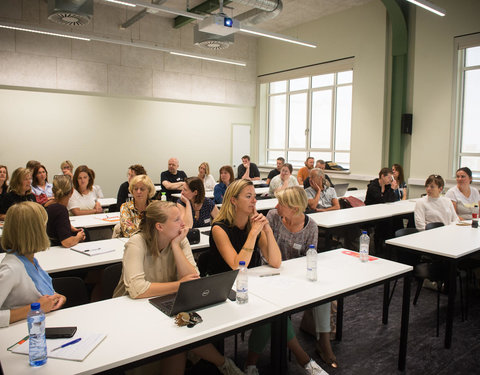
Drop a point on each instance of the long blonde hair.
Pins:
(156, 212)
(228, 211)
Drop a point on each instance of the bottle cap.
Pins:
(311, 246)
(242, 263)
(364, 232)
(35, 306)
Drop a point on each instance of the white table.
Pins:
(95, 220)
(450, 243)
(359, 194)
(339, 274)
(105, 202)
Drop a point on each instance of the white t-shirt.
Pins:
(277, 182)
(464, 204)
(209, 182)
(84, 202)
(434, 210)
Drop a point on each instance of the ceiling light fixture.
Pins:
(203, 57)
(283, 38)
(137, 44)
(121, 3)
(429, 6)
(42, 31)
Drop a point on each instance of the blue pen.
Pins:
(68, 343)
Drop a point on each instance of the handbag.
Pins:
(193, 236)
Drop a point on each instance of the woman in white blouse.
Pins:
(434, 208)
(283, 180)
(463, 196)
(205, 176)
(84, 200)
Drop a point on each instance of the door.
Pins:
(240, 143)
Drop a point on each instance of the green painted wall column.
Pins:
(399, 79)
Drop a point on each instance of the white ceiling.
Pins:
(294, 12)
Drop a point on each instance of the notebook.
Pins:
(340, 189)
(195, 294)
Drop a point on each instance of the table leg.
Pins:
(402, 355)
(278, 346)
(452, 288)
(386, 297)
(339, 318)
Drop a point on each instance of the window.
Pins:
(468, 109)
(310, 116)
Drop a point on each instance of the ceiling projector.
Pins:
(219, 24)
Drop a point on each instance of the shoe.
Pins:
(332, 362)
(312, 368)
(251, 370)
(230, 368)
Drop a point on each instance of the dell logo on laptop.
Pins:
(205, 293)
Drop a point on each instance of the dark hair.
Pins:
(289, 166)
(399, 169)
(195, 184)
(138, 169)
(88, 171)
(34, 174)
(32, 164)
(467, 170)
(229, 169)
(246, 157)
(435, 179)
(4, 186)
(281, 159)
(384, 172)
(310, 157)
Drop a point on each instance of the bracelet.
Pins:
(248, 249)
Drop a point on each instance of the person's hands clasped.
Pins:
(50, 303)
(80, 235)
(98, 207)
(181, 235)
(59, 301)
(258, 222)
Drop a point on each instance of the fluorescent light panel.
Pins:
(283, 38)
(31, 30)
(225, 61)
(429, 6)
(121, 3)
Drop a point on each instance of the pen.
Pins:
(98, 248)
(270, 274)
(19, 343)
(68, 343)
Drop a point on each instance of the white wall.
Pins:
(359, 32)
(109, 134)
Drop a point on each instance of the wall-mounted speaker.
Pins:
(407, 123)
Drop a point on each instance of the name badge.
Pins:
(207, 221)
(178, 178)
(297, 246)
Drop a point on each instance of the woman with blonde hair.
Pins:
(23, 280)
(131, 213)
(67, 168)
(204, 175)
(59, 228)
(84, 200)
(19, 190)
(155, 261)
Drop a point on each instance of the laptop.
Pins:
(195, 294)
(341, 189)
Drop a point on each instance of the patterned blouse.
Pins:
(130, 219)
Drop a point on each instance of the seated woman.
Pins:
(156, 260)
(84, 200)
(23, 280)
(226, 178)
(283, 180)
(131, 213)
(433, 207)
(381, 189)
(67, 168)
(41, 188)
(204, 175)
(18, 191)
(401, 190)
(196, 210)
(294, 232)
(59, 229)
(321, 197)
(463, 196)
(3, 182)
(124, 193)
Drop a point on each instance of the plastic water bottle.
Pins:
(475, 216)
(37, 352)
(163, 198)
(364, 246)
(242, 284)
(312, 263)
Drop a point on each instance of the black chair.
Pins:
(433, 225)
(73, 288)
(110, 278)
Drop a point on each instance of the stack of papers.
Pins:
(89, 248)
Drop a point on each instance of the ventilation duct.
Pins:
(211, 41)
(264, 10)
(70, 12)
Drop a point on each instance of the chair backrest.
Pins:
(433, 225)
(110, 278)
(73, 288)
(405, 231)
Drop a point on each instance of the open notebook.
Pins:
(92, 248)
